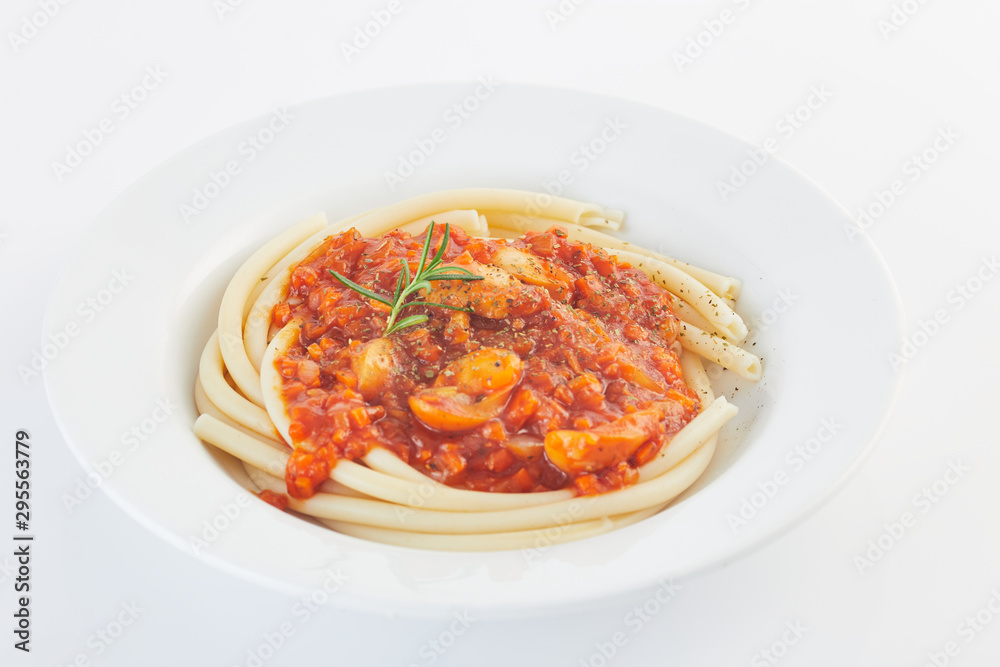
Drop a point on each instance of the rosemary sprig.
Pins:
(410, 284)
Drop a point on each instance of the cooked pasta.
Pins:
(469, 369)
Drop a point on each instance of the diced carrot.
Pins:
(573, 361)
(287, 368)
(293, 389)
(307, 470)
(542, 244)
(301, 412)
(550, 415)
(330, 299)
(499, 460)
(633, 331)
(563, 394)
(281, 314)
(523, 346)
(313, 330)
(604, 263)
(359, 417)
(303, 276)
(588, 285)
(346, 378)
(297, 431)
(521, 408)
(586, 485)
(609, 353)
(458, 235)
(378, 306)
(647, 451)
(480, 251)
(522, 480)
(587, 390)
(428, 353)
(493, 430)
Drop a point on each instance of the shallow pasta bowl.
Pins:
(822, 311)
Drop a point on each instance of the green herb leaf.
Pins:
(445, 238)
(359, 289)
(453, 276)
(409, 284)
(406, 322)
(418, 285)
(427, 245)
(399, 283)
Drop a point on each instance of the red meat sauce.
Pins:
(595, 347)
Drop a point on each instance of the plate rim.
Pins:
(761, 540)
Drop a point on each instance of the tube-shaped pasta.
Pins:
(379, 496)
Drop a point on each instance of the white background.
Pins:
(891, 92)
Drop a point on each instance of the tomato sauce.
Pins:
(595, 339)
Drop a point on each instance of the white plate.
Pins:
(825, 356)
